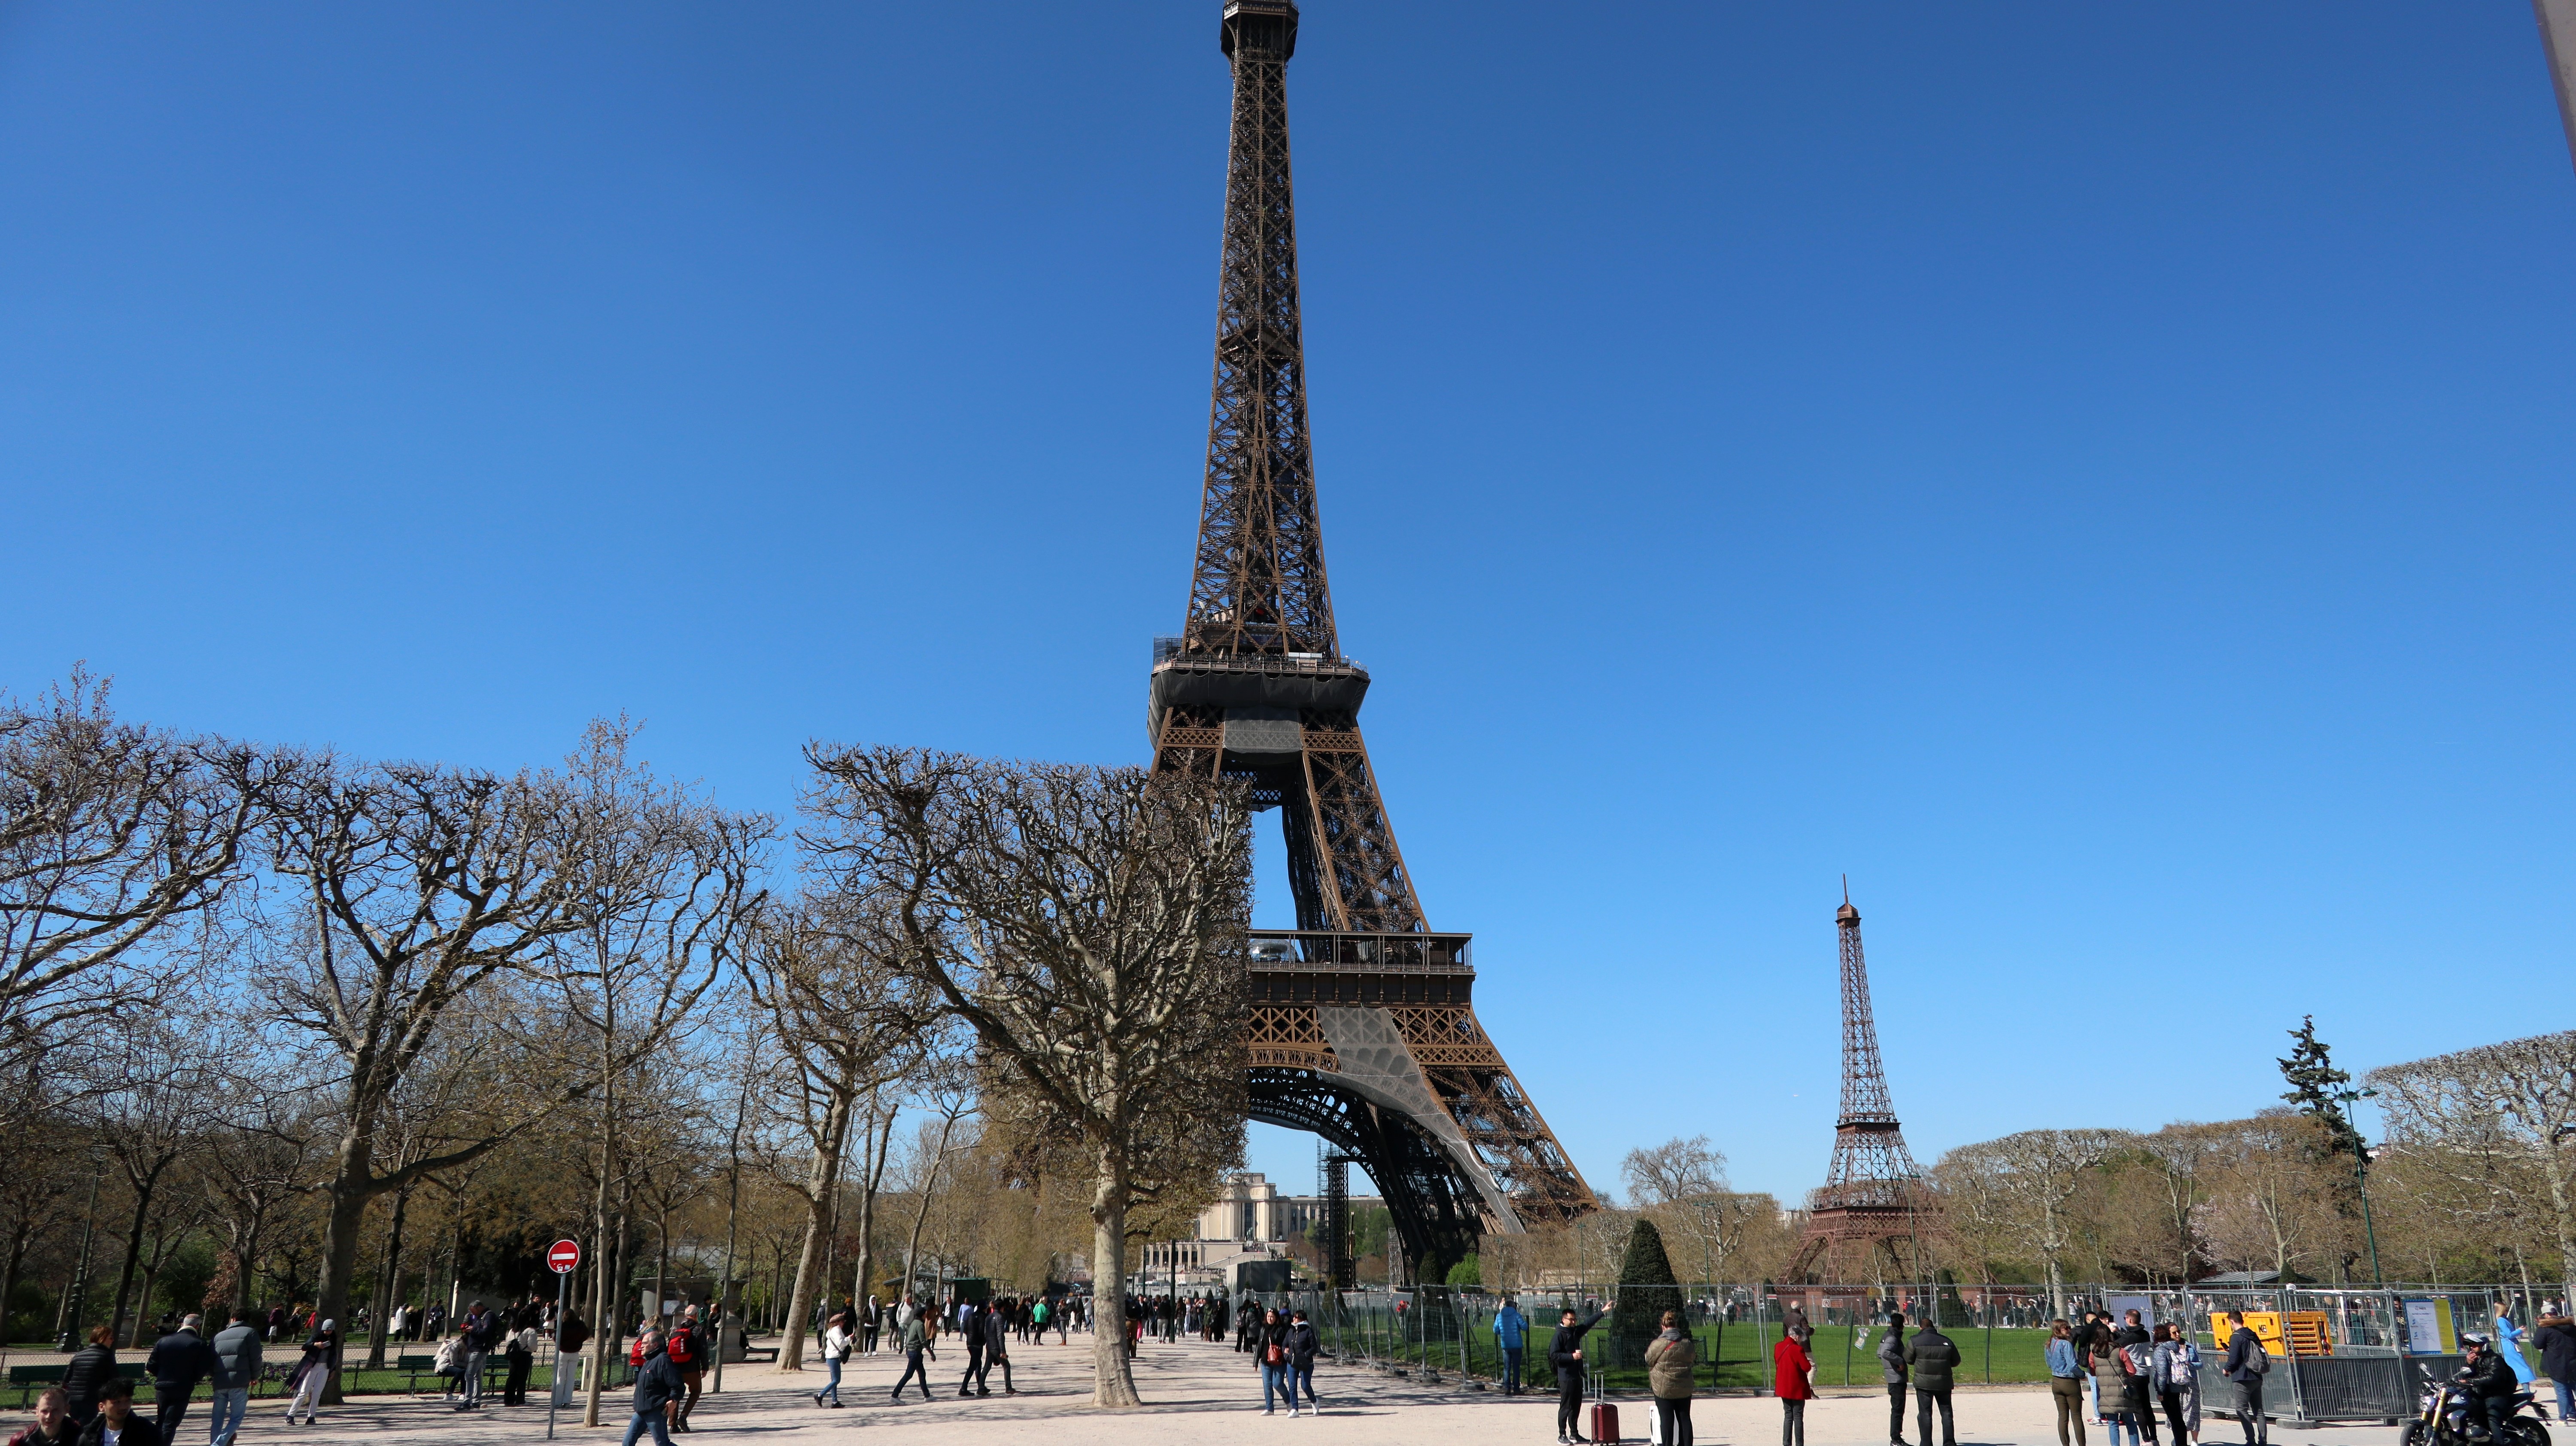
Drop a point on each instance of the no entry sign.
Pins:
(564, 1256)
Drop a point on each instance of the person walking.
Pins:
(53, 1425)
(1302, 1346)
(1270, 1357)
(1891, 1363)
(2066, 1382)
(2246, 1364)
(237, 1365)
(657, 1391)
(1671, 1361)
(997, 1348)
(689, 1345)
(1792, 1380)
(116, 1424)
(1511, 1336)
(835, 1350)
(313, 1371)
(915, 1339)
(179, 1360)
(89, 1370)
(1565, 1353)
(2556, 1337)
(1932, 1356)
(972, 1328)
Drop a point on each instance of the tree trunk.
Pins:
(388, 1282)
(819, 1201)
(661, 1267)
(9, 1277)
(345, 1209)
(1113, 1381)
(133, 1254)
(872, 1175)
(921, 1216)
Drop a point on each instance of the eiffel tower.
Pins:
(1871, 1191)
(1360, 1028)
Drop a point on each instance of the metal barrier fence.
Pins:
(1446, 1335)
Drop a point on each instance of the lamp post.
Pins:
(2361, 1176)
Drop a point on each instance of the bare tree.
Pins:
(109, 833)
(665, 891)
(2272, 1196)
(1682, 1185)
(2029, 1179)
(848, 1023)
(1089, 926)
(2522, 1092)
(150, 1096)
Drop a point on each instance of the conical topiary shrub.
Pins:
(1646, 1290)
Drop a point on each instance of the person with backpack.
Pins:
(687, 1347)
(2109, 1387)
(836, 1349)
(1891, 1361)
(521, 1354)
(2177, 1374)
(2246, 1364)
(1933, 1356)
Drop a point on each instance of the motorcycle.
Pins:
(2443, 1419)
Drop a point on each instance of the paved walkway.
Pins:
(1196, 1395)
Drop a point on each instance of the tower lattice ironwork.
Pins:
(1361, 1027)
(1871, 1194)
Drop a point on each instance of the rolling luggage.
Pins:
(1603, 1417)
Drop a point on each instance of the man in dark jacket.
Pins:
(116, 1413)
(997, 1349)
(970, 1383)
(2490, 1385)
(178, 1362)
(2556, 1338)
(1891, 1362)
(658, 1389)
(482, 1331)
(237, 1366)
(1565, 1352)
(2245, 1365)
(1932, 1355)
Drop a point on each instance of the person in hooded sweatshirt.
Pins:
(313, 1372)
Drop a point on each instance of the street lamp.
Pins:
(2361, 1176)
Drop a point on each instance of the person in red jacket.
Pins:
(1790, 1365)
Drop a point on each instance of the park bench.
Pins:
(416, 1367)
(25, 1380)
(760, 1353)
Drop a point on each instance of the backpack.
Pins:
(2259, 1359)
(2179, 1369)
(635, 1352)
(681, 1345)
(2138, 1360)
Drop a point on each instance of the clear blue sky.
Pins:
(2097, 475)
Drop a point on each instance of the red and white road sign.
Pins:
(564, 1256)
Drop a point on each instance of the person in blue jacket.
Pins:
(1511, 1332)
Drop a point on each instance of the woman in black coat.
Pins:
(91, 1368)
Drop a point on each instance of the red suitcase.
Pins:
(1605, 1422)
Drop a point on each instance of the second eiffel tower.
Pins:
(1361, 1028)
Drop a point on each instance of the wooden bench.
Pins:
(759, 1353)
(25, 1380)
(416, 1367)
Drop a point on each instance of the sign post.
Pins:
(563, 1258)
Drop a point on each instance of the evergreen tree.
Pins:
(2314, 1080)
(1646, 1286)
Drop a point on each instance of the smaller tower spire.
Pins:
(1870, 1186)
